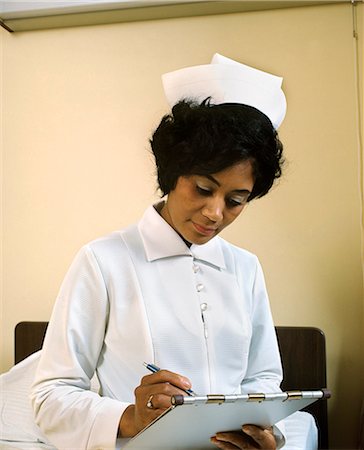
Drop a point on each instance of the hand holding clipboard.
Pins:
(204, 416)
(191, 421)
(249, 432)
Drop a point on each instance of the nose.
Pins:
(214, 209)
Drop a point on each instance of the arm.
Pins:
(158, 389)
(66, 411)
(264, 372)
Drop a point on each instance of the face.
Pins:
(201, 206)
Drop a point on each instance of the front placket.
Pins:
(204, 310)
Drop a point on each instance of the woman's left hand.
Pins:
(251, 437)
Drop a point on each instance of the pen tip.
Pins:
(145, 364)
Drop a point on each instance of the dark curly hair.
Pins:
(203, 138)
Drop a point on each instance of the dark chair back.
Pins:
(29, 338)
(303, 353)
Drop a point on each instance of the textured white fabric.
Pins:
(16, 416)
(227, 81)
(301, 432)
(19, 431)
(4, 445)
(17, 422)
(138, 295)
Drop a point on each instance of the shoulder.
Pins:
(237, 253)
(241, 263)
(103, 243)
(108, 250)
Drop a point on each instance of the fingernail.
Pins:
(186, 384)
(246, 429)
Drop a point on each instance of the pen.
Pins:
(153, 368)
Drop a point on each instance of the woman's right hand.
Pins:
(155, 390)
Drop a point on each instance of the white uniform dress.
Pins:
(141, 294)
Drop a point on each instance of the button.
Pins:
(199, 287)
(195, 268)
(203, 306)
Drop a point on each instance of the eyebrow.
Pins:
(211, 178)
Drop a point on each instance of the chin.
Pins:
(195, 238)
(201, 240)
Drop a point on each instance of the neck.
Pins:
(162, 210)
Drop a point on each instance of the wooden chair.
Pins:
(302, 351)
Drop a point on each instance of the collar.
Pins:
(161, 241)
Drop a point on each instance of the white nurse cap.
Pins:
(227, 81)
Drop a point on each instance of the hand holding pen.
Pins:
(152, 398)
(153, 368)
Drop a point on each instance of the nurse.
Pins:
(169, 290)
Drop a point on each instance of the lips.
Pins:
(204, 230)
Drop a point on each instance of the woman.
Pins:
(211, 161)
(169, 291)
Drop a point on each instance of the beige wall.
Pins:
(360, 54)
(361, 85)
(78, 107)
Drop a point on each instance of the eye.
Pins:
(235, 202)
(203, 191)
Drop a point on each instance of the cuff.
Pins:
(279, 434)
(106, 425)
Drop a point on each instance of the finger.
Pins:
(263, 437)
(160, 401)
(236, 438)
(148, 408)
(165, 376)
(143, 392)
(223, 444)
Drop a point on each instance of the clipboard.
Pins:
(191, 421)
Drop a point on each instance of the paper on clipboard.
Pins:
(191, 424)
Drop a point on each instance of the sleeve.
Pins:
(65, 409)
(264, 372)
